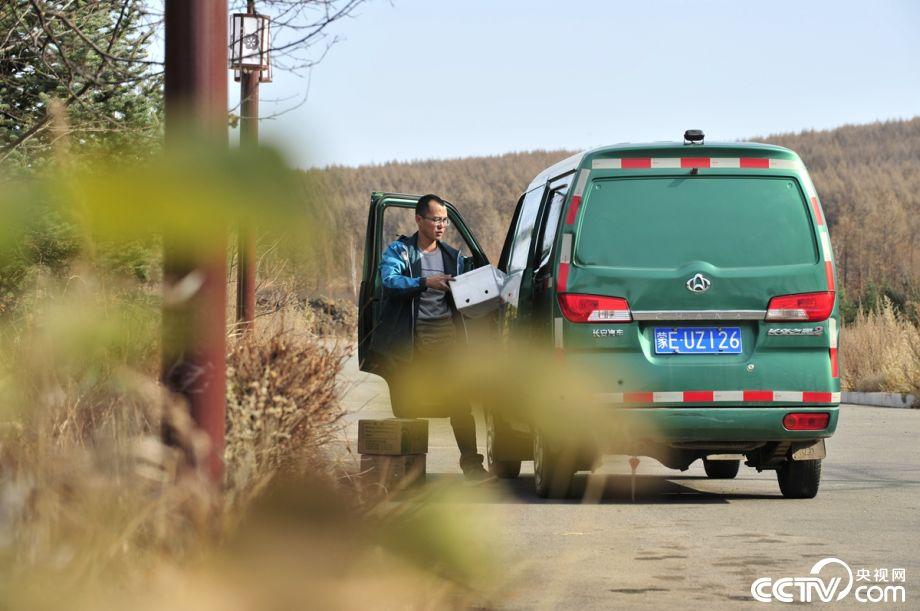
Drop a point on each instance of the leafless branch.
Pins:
(298, 26)
(288, 109)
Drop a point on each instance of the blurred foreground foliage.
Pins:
(95, 511)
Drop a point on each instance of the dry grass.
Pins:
(282, 406)
(96, 512)
(321, 316)
(89, 496)
(880, 351)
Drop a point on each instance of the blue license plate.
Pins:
(697, 340)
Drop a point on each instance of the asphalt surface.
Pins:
(688, 540)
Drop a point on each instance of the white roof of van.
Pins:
(571, 163)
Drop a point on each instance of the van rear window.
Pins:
(668, 222)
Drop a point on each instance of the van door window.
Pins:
(523, 234)
(400, 221)
(397, 221)
(509, 236)
(540, 299)
(550, 224)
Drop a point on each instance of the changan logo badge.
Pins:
(698, 284)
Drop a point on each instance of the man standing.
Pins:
(420, 328)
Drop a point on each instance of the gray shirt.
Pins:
(433, 303)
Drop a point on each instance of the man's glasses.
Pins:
(438, 220)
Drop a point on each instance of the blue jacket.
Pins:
(400, 277)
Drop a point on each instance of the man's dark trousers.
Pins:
(435, 348)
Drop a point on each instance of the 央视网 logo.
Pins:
(814, 588)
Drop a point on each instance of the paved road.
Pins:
(689, 540)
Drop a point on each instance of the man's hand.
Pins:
(438, 282)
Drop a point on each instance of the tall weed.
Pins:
(880, 351)
(282, 406)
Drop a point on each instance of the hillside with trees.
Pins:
(867, 178)
(865, 175)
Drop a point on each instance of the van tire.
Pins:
(553, 468)
(721, 469)
(799, 479)
(497, 433)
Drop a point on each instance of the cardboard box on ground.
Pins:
(393, 471)
(393, 451)
(393, 436)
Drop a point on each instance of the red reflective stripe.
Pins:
(563, 278)
(750, 396)
(694, 162)
(573, 209)
(638, 397)
(817, 207)
(755, 162)
(829, 272)
(816, 397)
(835, 372)
(636, 163)
(560, 354)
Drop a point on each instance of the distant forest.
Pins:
(867, 176)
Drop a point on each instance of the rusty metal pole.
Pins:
(195, 292)
(246, 242)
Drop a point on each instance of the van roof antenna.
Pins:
(694, 136)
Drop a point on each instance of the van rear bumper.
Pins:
(717, 424)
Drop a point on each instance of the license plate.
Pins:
(697, 340)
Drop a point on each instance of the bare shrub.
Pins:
(880, 351)
(282, 406)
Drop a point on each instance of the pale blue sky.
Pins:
(417, 79)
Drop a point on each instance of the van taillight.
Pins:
(594, 308)
(806, 421)
(801, 307)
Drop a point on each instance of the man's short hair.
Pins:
(421, 208)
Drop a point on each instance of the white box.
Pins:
(478, 292)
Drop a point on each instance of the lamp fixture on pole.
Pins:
(250, 45)
(251, 65)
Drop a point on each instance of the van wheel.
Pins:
(553, 468)
(495, 433)
(721, 469)
(799, 479)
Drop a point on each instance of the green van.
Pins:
(701, 274)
